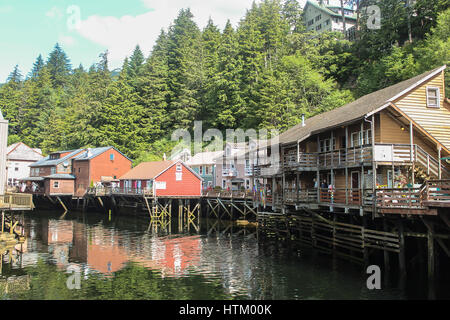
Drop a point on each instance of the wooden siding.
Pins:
(390, 132)
(436, 121)
(102, 166)
(190, 184)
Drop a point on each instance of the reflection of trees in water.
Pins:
(132, 282)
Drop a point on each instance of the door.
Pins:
(356, 183)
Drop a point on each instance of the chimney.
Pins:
(303, 119)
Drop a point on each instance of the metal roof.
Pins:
(60, 176)
(47, 162)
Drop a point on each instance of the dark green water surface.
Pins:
(126, 258)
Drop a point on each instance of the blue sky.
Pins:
(32, 27)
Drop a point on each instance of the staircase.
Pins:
(426, 167)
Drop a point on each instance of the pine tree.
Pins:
(59, 66)
(15, 77)
(136, 61)
(184, 69)
(37, 66)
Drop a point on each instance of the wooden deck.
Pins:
(16, 201)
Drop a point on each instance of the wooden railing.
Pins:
(235, 194)
(107, 191)
(16, 201)
(341, 196)
(437, 191)
(401, 153)
(336, 158)
(400, 198)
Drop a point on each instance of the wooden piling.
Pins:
(431, 258)
(401, 254)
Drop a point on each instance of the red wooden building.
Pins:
(72, 172)
(163, 179)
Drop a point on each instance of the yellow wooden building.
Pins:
(380, 154)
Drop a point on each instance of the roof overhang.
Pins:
(418, 83)
(32, 179)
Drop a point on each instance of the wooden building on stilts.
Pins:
(367, 175)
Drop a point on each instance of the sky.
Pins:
(85, 28)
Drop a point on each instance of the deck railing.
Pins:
(336, 158)
(401, 153)
(106, 191)
(438, 191)
(16, 201)
(399, 198)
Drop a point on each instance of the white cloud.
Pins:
(54, 13)
(121, 35)
(66, 40)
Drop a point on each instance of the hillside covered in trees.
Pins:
(263, 74)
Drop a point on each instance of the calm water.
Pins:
(126, 258)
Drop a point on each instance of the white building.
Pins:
(18, 158)
(3, 147)
(326, 15)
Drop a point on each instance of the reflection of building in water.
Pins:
(233, 260)
(59, 239)
(108, 252)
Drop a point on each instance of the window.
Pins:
(179, 169)
(53, 170)
(318, 17)
(327, 145)
(432, 97)
(79, 170)
(224, 184)
(206, 169)
(310, 22)
(356, 138)
(56, 184)
(111, 156)
(247, 184)
(200, 169)
(327, 22)
(319, 27)
(16, 169)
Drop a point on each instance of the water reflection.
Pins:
(126, 258)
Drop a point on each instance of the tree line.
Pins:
(265, 73)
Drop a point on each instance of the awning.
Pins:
(108, 179)
(32, 179)
(237, 180)
(60, 176)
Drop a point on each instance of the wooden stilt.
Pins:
(385, 252)
(431, 253)
(401, 254)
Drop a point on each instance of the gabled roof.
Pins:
(328, 11)
(47, 162)
(204, 158)
(151, 170)
(88, 154)
(147, 170)
(11, 148)
(95, 152)
(358, 109)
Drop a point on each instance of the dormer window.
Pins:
(54, 156)
(432, 97)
